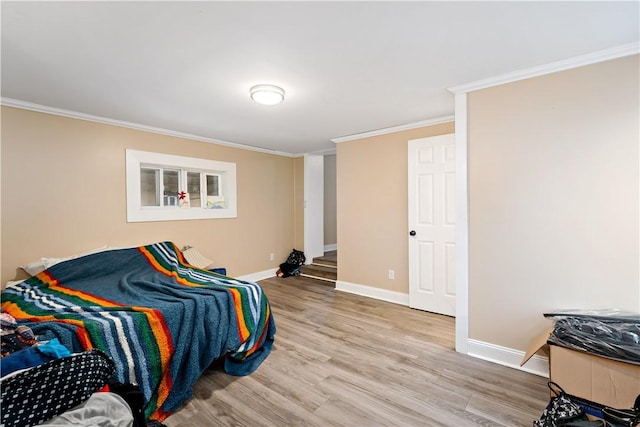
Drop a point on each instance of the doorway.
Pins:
(320, 213)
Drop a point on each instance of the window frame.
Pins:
(136, 160)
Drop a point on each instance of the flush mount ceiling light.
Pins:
(267, 94)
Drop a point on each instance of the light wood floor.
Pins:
(345, 360)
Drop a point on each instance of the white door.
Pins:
(432, 224)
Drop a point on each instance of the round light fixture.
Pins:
(267, 94)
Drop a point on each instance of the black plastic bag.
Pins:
(623, 417)
(292, 266)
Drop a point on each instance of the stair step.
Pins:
(325, 272)
(325, 260)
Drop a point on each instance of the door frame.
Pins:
(313, 206)
(462, 225)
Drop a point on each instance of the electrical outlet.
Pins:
(272, 257)
(392, 275)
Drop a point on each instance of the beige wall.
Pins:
(63, 192)
(553, 199)
(372, 222)
(330, 231)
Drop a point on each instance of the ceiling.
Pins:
(346, 67)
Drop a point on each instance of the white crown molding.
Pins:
(408, 126)
(326, 152)
(10, 102)
(505, 356)
(553, 67)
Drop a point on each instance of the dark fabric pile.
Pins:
(293, 264)
(33, 396)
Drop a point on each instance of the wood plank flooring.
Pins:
(345, 360)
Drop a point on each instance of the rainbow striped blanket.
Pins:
(162, 320)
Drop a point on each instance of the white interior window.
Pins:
(163, 187)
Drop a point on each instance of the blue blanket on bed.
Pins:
(162, 320)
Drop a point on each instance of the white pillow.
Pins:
(194, 257)
(36, 267)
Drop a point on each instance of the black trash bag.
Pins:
(293, 264)
(623, 417)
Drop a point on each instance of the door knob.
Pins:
(412, 233)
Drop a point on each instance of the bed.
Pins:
(161, 320)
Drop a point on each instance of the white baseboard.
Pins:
(505, 356)
(260, 275)
(537, 365)
(331, 247)
(371, 292)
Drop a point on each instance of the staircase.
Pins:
(323, 268)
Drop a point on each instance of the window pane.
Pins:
(212, 185)
(171, 181)
(149, 187)
(214, 199)
(193, 188)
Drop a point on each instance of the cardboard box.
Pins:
(597, 379)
